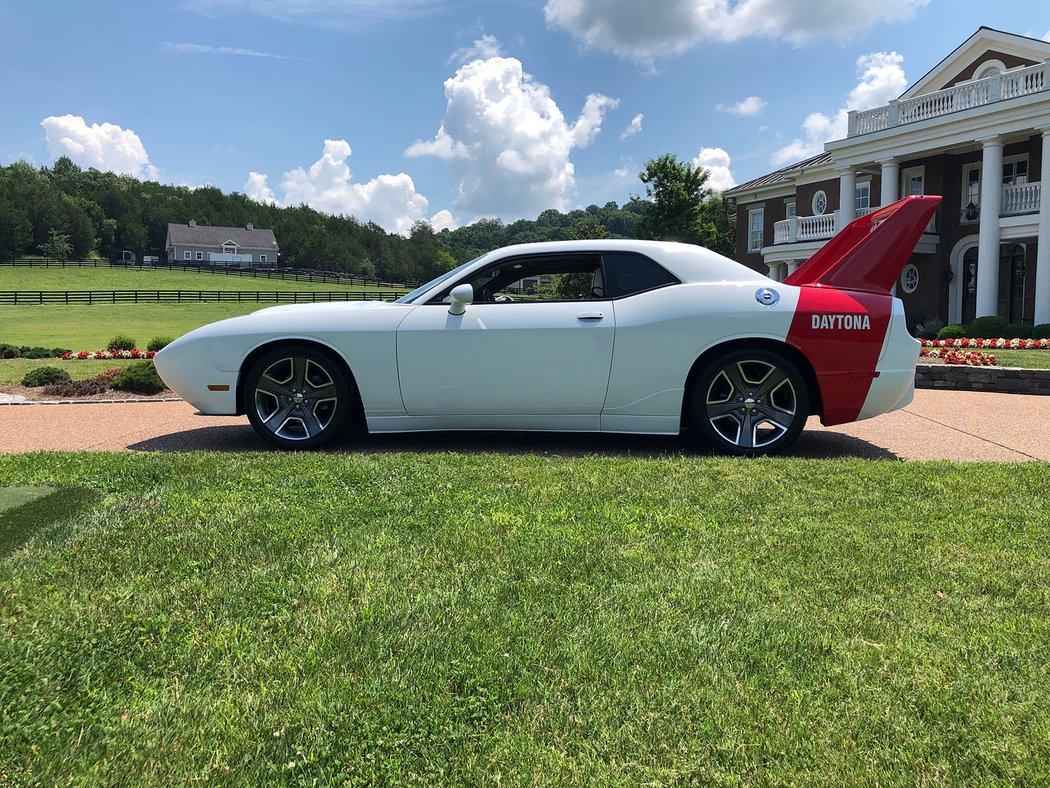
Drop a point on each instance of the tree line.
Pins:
(64, 210)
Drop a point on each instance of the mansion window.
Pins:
(820, 203)
(1015, 172)
(755, 228)
(971, 197)
(200, 255)
(789, 209)
(863, 196)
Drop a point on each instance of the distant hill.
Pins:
(104, 213)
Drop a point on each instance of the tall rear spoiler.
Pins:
(870, 252)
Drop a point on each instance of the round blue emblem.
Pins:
(767, 296)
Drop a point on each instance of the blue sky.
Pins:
(449, 110)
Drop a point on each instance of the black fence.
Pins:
(316, 276)
(89, 297)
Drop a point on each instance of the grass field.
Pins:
(441, 618)
(1027, 359)
(91, 327)
(17, 278)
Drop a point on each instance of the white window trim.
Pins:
(966, 170)
(794, 207)
(751, 245)
(187, 255)
(813, 202)
(262, 258)
(865, 181)
(907, 175)
(199, 256)
(1016, 158)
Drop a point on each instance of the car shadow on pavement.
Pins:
(813, 444)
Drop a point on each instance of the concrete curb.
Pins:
(1006, 380)
(91, 401)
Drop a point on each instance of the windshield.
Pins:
(405, 299)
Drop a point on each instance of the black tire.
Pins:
(749, 403)
(297, 397)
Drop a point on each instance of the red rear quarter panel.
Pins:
(842, 333)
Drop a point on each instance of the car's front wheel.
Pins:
(750, 402)
(296, 397)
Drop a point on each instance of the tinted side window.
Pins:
(632, 273)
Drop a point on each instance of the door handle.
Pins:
(590, 316)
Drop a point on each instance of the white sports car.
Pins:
(603, 336)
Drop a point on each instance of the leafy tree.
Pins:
(675, 211)
(56, 247)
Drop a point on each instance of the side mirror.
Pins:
(461, 295)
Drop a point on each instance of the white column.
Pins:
(891, 176)
(794, 264)
(847, 197)
(988, 238)
(1042, 259)
(776, 271)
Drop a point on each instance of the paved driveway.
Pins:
(972, 426)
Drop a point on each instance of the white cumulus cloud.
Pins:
(485, 47)
(103, 146)
(748, 107)
(443, 220)
(716, 161)
(259, 190)
(881, 78)
(507, 140)
(646, 30)
(391, 201)
(633, 127)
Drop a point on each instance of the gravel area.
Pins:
(938, 425)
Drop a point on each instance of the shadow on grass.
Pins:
(816, 444)
(19, 523)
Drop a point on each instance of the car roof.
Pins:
(688, 262)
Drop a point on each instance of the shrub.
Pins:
(988, 327)
(58, 352)
(929, 328)
(954, 331)
(1017, 331)
(9, 351)
(139, 378)
(36, 352)
(121, 342)
(159, 343)
(45, 376)
(83, 388)
(1041, 331)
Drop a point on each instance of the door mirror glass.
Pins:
(461, 295)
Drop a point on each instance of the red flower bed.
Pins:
(109, 354)
(969, 358)
(998, 344)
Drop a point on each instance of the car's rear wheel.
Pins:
(750, 402)
(297, 397)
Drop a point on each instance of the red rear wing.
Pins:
(870, 252)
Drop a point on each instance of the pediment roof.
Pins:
(987, 44)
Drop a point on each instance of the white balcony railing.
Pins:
(805, 228)
(1008, 85)
(815, 228)
(1022, 198)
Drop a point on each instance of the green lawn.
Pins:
(91, 327)
(438, 618)
(1028, 359)
(17, 278)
